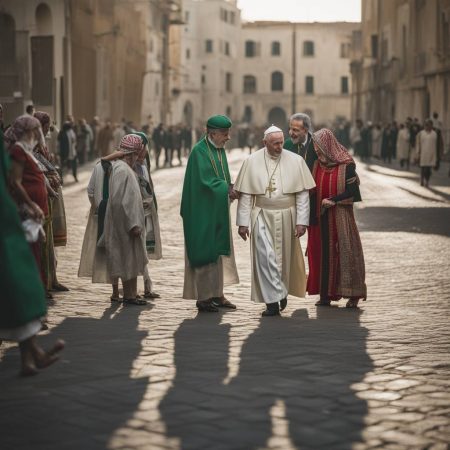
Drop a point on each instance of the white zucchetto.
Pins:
(272, 129)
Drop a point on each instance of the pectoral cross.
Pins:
(270, 188)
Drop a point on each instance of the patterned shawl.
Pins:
(43, 117)
(335, 153)
(20, 127)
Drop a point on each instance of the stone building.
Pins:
(288, 67)
(401, 61)
(204, 61)
(80, 57)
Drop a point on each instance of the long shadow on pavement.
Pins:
(307, 365)
(79, 402)
(430, 220)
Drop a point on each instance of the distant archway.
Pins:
(188, 113)
(44, 23)
(277, 116)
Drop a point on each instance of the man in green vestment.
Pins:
(300, 138)
(205, 209)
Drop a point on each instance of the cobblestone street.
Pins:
(165, 377)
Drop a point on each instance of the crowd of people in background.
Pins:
(409, 142)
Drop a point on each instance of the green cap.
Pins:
(143, 136)
(219, 122)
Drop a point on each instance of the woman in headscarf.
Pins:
(28, 185)
(335, 255)
(55, 204)
(22, 304)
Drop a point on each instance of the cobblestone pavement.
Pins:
(164, 377)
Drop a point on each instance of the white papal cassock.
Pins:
(278, 268)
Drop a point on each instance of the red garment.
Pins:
(33, 180)
(326, 186)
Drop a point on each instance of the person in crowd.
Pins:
(335, 254)
(274, 210)
(22, 304)
(205, 210)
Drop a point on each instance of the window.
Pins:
(209, 46)
(227, 48)
(228, 111)
(232, 17)
(203, 79)
(249, 84)
(374, 45)
(345, 50)
(309, 85)
(248, 114)
(308, 48)
(228, 82)
(277, 81)
(186, 16)
(344, 85)
(188, 53)
(250, 49)
(276, 48)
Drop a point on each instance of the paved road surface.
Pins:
(164, 377)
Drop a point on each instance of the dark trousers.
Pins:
(73, 164)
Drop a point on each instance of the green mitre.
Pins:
(219, 122)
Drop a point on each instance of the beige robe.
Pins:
(126, 255)
(276, 213)
(403, 144)
(203, 283)
(93, 258)
(426, 144)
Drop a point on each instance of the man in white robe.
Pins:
(428, 151)
(273, 210)
(119, 250)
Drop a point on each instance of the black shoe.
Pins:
(205, 306)
(272, 310)
(283, 304)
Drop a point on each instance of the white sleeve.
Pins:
(91, 184)
(243, 210)
(302, 207)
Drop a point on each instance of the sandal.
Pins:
(135, 301)
(115, 299)
(205, 306)
(151, 294)
(59, 287)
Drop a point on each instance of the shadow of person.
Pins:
(83, 399)
(309, 366)
(192, 407)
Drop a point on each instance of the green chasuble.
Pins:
(21, 290)
(204, 205)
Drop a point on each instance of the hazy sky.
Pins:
(301, 10)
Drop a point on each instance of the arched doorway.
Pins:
(44, 24)
(7, 43)
(188, 113)
(42, 57)
(277, 116)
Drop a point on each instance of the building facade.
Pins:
(291, 67)
(80, 57)
(401, 61)
(204, 57)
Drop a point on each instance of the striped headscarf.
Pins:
(130, 143)
(335, 153)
